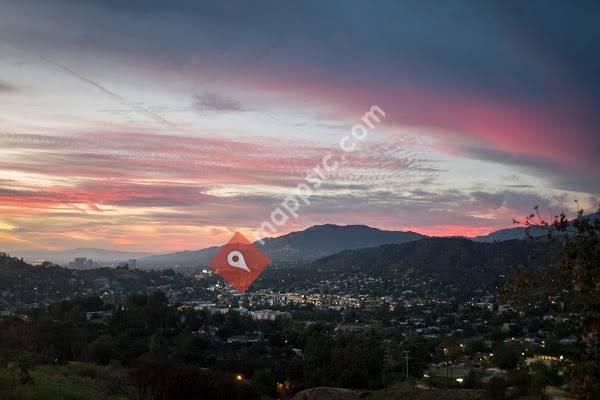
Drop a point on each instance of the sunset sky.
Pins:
(159, 126)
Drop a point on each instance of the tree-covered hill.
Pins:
(440, 255)
(22, 284)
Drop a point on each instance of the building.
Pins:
(80, 262)
(132, 263)
(270, 315)
(98, 317)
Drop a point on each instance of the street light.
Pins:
(447, 366)
(239, 377)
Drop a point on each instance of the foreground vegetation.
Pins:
(74, 381)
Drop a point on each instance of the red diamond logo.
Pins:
(239, 262)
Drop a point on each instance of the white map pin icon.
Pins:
(236, 259)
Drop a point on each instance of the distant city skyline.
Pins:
(163, 128)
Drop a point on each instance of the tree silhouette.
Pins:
(571, 280)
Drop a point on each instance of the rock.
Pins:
(327, 393)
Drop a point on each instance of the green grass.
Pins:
(75, 381)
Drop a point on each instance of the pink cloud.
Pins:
(557, 129)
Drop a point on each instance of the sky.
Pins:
(159, 126)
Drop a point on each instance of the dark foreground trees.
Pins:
(162, 380)
(571, 281)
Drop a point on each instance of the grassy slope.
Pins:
(72, 382)
(79, 381)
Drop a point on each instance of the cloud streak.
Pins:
(215, 102)
(6, 88)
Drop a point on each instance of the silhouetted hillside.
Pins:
(23, 284)
(310, 244)
(442, 255)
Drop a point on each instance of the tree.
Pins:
(102, 350)
(542, 376)
(506, 356)
(521, 380)
(163, 380)
(158, 346)
(574, 279)
(188, 348)
(495, 389)
(264, 383)
(24, 364)
(295, 373)
(473, 379)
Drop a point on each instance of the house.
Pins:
(98, 317)
(269, 315)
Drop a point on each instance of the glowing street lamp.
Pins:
(447, 366)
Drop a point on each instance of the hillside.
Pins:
(23, 284)
(442, 255)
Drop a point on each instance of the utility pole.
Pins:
(406, 357)
(446, 354)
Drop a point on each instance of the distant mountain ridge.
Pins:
(186, 258)
(517, 233)
(309, 244)
(322, 240)
(521, 232)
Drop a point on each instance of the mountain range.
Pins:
(296, 247)
(307, 245)
(516, 233)
(323, 240)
